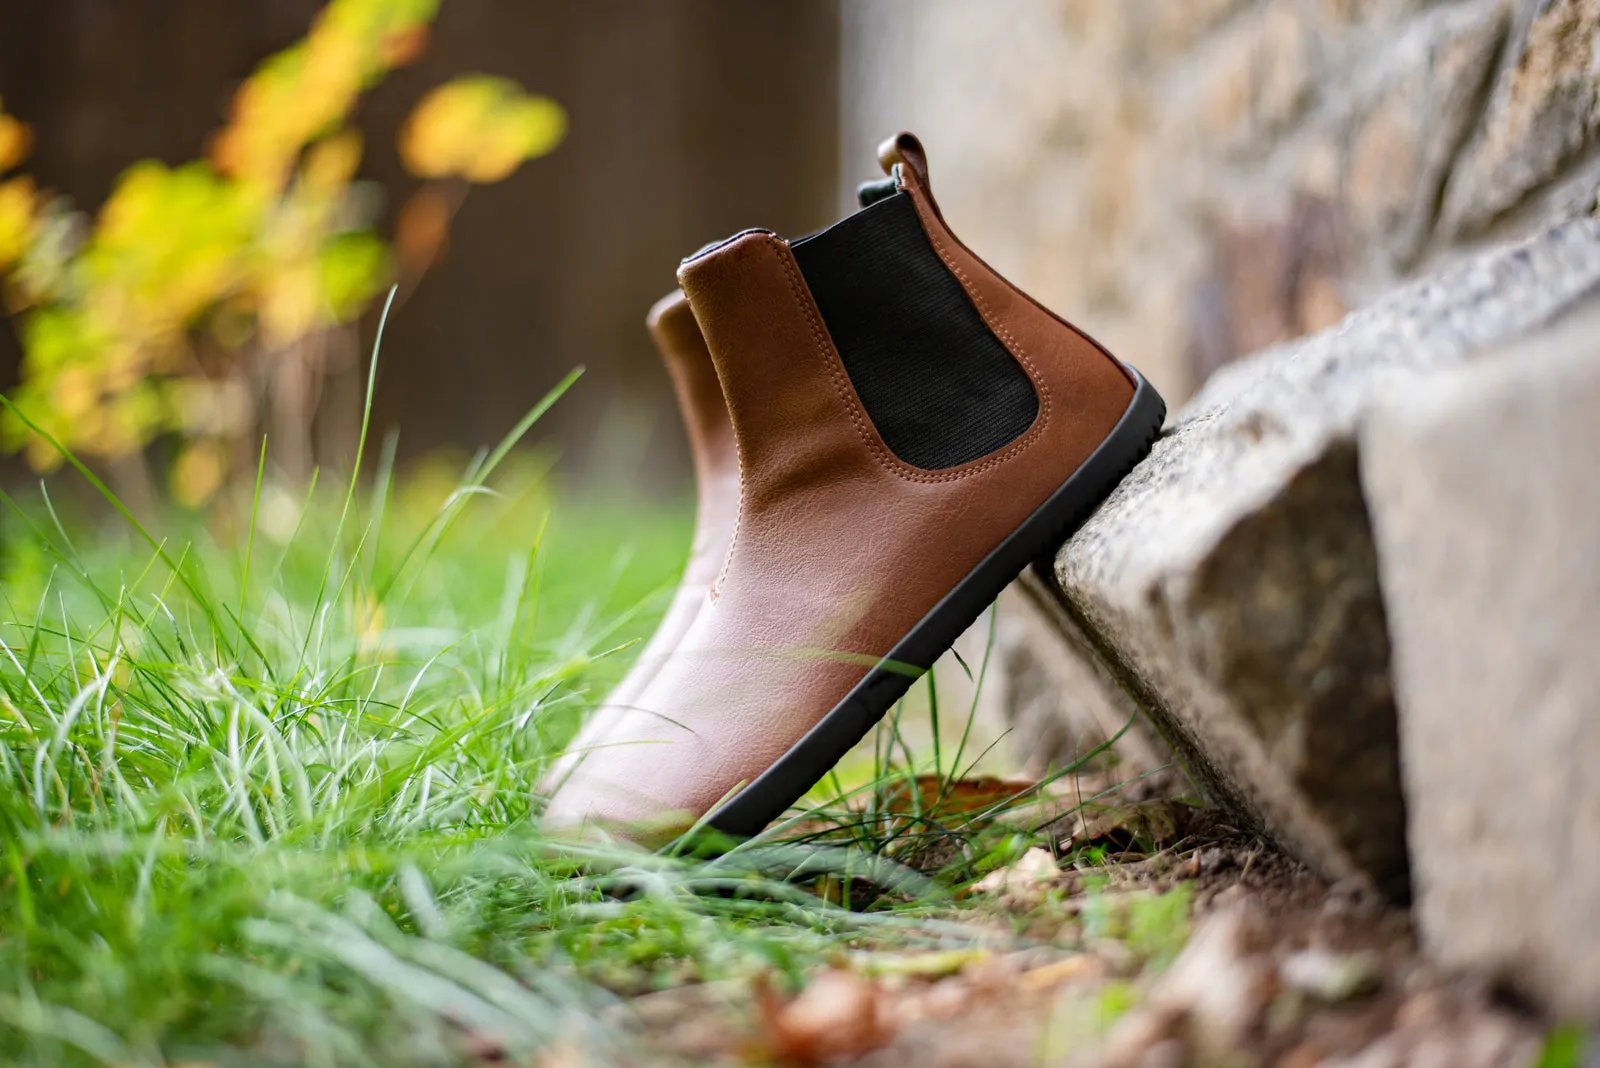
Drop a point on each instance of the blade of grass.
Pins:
(250, 539)
(478, 474)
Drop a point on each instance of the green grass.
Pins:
(266, 784)
(291, 816)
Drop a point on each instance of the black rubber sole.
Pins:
(786, 781)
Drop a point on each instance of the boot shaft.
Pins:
(938, 385)
(683, 351)
(883, 338)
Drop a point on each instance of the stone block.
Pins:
(1409, 125)
(1060, 703)
(1484, 490)
(1230, 582)
(1262, 74)
(1176, 28)
(1542, 114)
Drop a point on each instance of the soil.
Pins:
(1280, 969)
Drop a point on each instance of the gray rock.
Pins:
(1060, 703)
(1543, 113)
(1484, 489)
(1409, 122)
(1230, 583)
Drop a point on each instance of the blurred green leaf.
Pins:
(206, 272)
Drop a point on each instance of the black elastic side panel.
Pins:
(940, 387)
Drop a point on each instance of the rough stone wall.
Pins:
(1231, 581)
(1192, 180)
(1486, 543)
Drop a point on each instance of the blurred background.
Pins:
(685, 120)
(1187, 181)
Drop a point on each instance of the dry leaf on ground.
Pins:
(838, 1014)
(933, 795)
(928, 797)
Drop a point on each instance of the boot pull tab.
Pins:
(905, 152)
(905, 149)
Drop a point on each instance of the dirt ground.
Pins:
(1278, 968)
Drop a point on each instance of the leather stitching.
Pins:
(733, 539)
(1001, 330)
(738, 522)
(852, 403)
(926, 207)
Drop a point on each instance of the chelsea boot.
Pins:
(912, 431)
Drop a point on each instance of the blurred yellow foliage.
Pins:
(168, 242)
(17, 198)
(170, 310)
(480, 129)
(15, 141)
(307, 90)
(198, 473)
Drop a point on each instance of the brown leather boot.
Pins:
(912, 432)
(716, 469)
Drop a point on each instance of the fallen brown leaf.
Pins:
(930, 798)
(943, 799)
(838, 1014)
